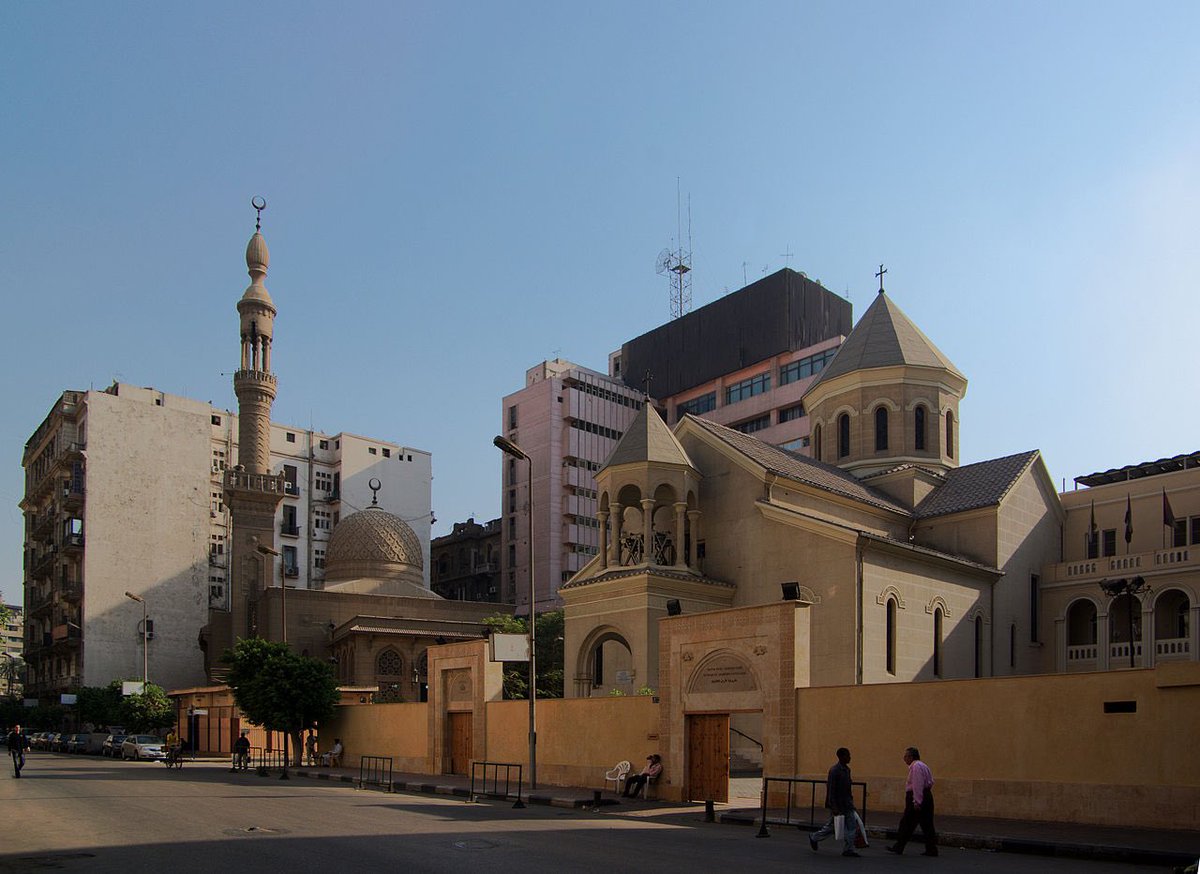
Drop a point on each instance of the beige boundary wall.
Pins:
(1022, 747)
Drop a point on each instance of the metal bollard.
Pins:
(709, 814)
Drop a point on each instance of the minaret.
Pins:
(252, 492)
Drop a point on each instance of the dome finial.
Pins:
(374, 485)
(259, 204)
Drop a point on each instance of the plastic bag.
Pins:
(839, 827)
(860, 837)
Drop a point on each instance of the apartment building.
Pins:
(124, 493)
(567, 418)
(465, 564)
(12, 651)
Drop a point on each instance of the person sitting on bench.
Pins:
(637, 782)
(333, 758)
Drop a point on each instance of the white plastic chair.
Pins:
(619, 772)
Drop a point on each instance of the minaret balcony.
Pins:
(260, 376)
(263, 483)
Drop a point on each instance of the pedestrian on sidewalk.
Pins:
(18, 743)
(839, 799)
(918, 805)
(310, 747)
(241, 752)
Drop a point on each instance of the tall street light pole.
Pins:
(509, 448)
(267, 550)
(145, 640)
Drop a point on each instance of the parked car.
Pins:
(142, 746)
(37, 740)
(55, 744)
(77, 743)
(112, 745)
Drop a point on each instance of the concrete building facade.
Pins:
(567, 419)
(466, 562)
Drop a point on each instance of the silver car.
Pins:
(142, 746)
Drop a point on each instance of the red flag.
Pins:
(1168, 516)
(1128, 520)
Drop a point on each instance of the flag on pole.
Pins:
(1128, 520)
(1168, 516)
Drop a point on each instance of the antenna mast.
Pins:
(678, 261)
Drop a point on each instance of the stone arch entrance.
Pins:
(606, 662)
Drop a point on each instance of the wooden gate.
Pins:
(460, 742)
(708, 757)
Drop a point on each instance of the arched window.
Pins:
(890, 655)
(816, 442)
(978, 646)
(937, 642)
(843, 435)
(881, 429)
(389, 664)
(949, 434)
(919, 428)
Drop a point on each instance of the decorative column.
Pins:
(602, 516)
(1148, 655)
(1102, 637)
(680, 520)
(694, 555)
(648, 530)
(614, 557)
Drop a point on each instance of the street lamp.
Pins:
(266, 550)
(509, 448)
(145, 640)
(1115, 589)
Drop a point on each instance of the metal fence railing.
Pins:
(495, 780)
(792, 790)
(375, 771)
(251, 758)
(268, 759)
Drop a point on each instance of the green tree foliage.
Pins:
(148, 711)
(548, 637)
(278, 689)
(101, 705)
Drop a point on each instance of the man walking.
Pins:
(839, 798)
(17, 744)
(918, 805)
(241, 752)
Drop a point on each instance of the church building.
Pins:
(904, 564)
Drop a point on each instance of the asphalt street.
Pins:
(77, 813)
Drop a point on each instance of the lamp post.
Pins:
(267, 550)
(1131, 587)
(509, 448)
(145, 641)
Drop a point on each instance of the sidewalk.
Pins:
(1141, 846)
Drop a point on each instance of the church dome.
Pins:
(373, 543)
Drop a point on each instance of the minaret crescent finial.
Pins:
(374, 485)
(259, 204)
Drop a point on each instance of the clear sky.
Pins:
(457, 191)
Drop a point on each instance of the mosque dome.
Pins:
(372, 544)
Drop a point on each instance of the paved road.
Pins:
(74, 813)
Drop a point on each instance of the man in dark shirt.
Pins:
(241, 752)
(839, 799)
(17, 744)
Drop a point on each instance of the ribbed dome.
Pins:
(372, 543)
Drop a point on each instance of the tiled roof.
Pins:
(884, 337)
(801, 468)
(648, 439)
(983, 484)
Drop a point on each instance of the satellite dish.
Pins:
(663, 262)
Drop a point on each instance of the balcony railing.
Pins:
(73, 542)
(1095, 569)
(291, 489)
(1179, 647)
(289, 530)
(255, 482)
(43, 565)
(291, 572)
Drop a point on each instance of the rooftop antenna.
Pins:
(678, 261)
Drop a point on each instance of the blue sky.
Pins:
(457, 191)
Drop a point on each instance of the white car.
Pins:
(142, 746)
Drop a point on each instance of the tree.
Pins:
(280, 690)
(101, 705)
(548, 637)
(149, 710)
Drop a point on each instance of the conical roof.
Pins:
(885, 337)
(648, 439)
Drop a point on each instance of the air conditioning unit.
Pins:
(491, 590)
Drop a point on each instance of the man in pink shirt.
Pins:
(918, 805)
